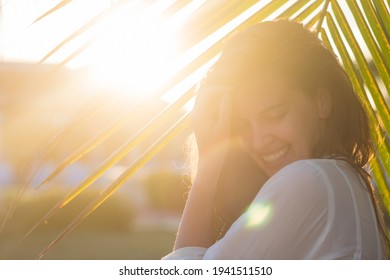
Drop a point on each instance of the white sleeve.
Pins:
(283, 222)
(186, 253)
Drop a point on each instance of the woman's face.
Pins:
(277, 125)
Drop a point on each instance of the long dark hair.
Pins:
(289, 50)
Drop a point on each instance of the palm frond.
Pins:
(377, 134)
(381, 54)
(178, 127)
(384, 16)
(54, 9)
(374, 22)
(368, 76)
(87, 26)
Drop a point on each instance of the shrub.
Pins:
(166, 190)
(115, 214)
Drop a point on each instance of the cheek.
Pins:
(243, 141)
(304, 133)
(242, 135)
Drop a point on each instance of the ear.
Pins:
(324, 103)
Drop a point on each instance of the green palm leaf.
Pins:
(382, 152)
(54, 9)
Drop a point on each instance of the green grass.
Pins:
(91, 245)
(108, 233)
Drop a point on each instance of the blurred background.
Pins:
(50, 107)
(138, 222)
(95, 98)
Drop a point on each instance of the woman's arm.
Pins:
(196, 229)
(212, 137)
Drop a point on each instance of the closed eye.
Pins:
(275, 113)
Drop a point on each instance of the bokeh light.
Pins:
(258, 214)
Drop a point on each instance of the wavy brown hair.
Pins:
(289, 50)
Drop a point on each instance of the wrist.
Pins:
(208, 174)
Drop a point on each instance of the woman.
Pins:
(279, 96)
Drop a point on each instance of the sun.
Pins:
(130, 46)
(132, 51)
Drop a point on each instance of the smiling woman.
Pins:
(278, 123)
(281, 97)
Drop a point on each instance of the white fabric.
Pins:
(310, 209)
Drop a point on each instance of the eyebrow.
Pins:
(273, 107)
(264, 111)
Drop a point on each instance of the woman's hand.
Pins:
(211, 117)
(212, 131)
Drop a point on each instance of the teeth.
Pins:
(275, 156)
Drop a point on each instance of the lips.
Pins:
(274, 157)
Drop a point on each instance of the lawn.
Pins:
(111, 232)
(91, 245)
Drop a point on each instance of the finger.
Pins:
(207, 102)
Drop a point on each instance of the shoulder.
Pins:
(310, 167)
(307, 182)
(304, 175)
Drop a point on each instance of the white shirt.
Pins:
(310, 209)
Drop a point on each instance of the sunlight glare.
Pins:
(133, 52)
(194, 52)
(179, 89)
(23, 41)
(258, 214)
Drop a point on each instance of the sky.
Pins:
(23, 40)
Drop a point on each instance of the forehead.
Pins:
(261, 93)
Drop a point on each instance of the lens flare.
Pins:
(258, 214)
